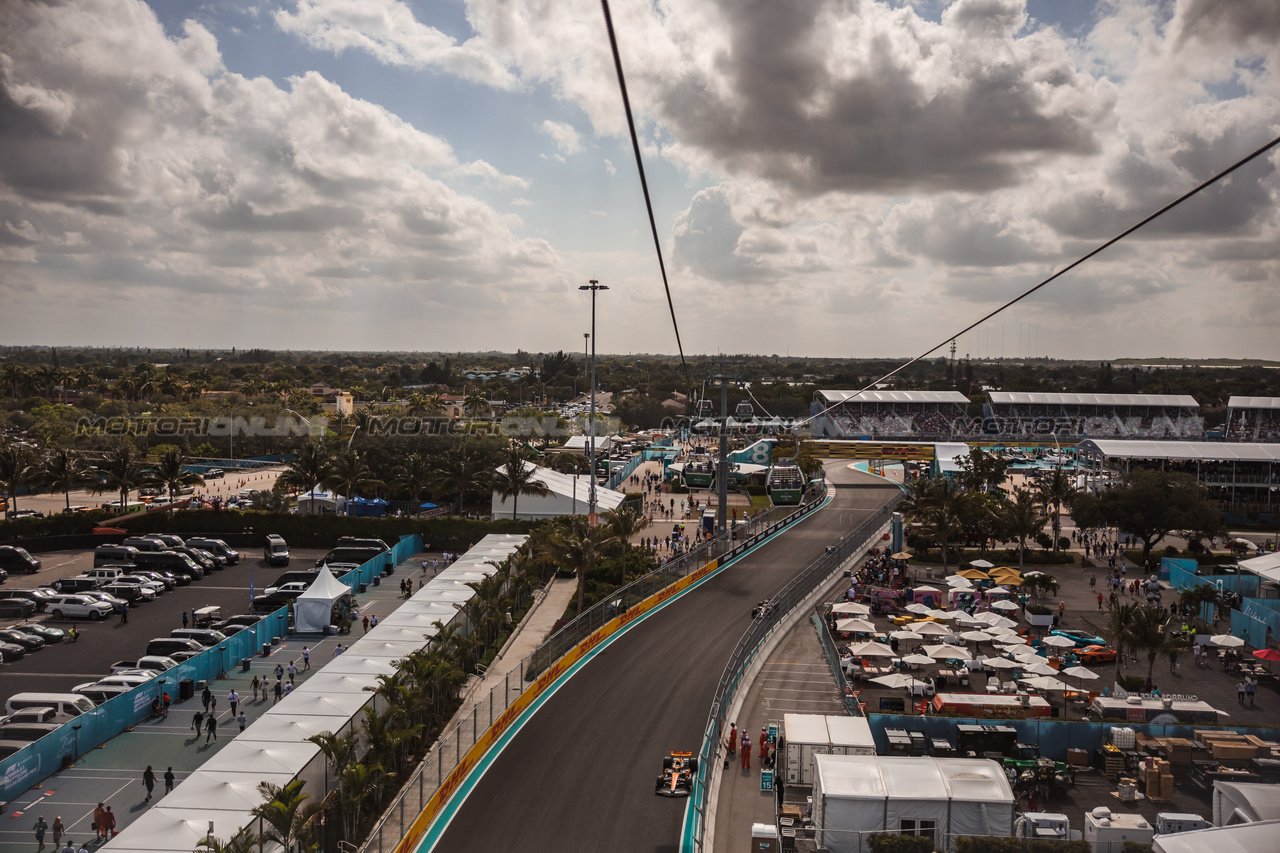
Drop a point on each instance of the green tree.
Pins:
(1118, 630)
(575, 545)
(18, 470)
(461, 470)
(623, 524)
(476, 403)
(349, 474)
(981, 471)
(1152, 504)
(63, 470)
(1055, 491)
(517, 477)
(286, 815)
(1150, 634)
(311, 466)
(943, 511)
(244, 841)
(1021, 520)
(412, 477)
(123, 469)
(170, 471)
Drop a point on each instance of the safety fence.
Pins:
(749, 646)
(43, 757)
(463, 746)
(617, 475)
(832, 655)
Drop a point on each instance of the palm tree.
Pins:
(943, 512)
(1055, 490)
(1021, 519)
(63, 469)
(1118, 629)
(171, 472)
(124, 471)
(15, 376)
(460, 471)
(623, 524)
(517, 477)
(575, 545)
(1150, 634)
(350, 474)
(286, 814)
(1193, 600)
(18, 469)
(243, 841)
(311, 466)
(476, 404)
(413, 476)
(1040, 586)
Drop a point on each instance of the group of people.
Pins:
(739, 743)
(104, 821)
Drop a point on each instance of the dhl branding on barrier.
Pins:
(504, 721)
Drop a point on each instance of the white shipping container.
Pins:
(806, 735)
(850, 736)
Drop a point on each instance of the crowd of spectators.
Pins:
(1091, 421)
(1253, 425)
(899, 420)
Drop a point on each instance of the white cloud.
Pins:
(566, 138)
(609, 167)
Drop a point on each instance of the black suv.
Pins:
(15, 559)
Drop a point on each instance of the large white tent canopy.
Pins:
(312, 610)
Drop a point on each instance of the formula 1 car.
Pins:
(678, 770)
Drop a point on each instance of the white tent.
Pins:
(172, 830)
(222, 791)
(360, 665)
(856, 795)
(288, 727)
(332, 702)
(333, 685)
(1244, 802)
(312, 610)
(567, 494)
(319, 501)
(1238, 838)
(373, 646)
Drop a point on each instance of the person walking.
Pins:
(365, 623)
(41, 828)
(732, 742)
(197, 724)
(213, 706)
(764, 744)
(109, 824)
(279, 691)
(70, 848)
(254, 685)
(279, 672)
(212, 728)
(84, 847)
(149, 778)
(1251, 687)
(373, 620)
(242, 720)
(169, 781)
(293, 671)
(338, 650)
(99, 821)
(1240, 691)
(205, 697)
(233, 699)
(124, 613)
(306, 658)
(58, 831)
(184, 619)
(746, 751)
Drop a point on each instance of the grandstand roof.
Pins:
(1016, 398)
(895, 397)
(1254, 403)
(1214, 451)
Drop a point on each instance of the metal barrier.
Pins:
(829, 651)
(452, 745)
(745, 652)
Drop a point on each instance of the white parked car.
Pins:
(74, 606)
(157, 587)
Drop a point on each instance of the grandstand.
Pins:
(1253, 419)
(889, 414)
(1133, 416)
(1242, 477)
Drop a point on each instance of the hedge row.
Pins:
(442, 533)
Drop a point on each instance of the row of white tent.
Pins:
(275, 749)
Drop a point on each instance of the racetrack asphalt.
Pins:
(580, 774)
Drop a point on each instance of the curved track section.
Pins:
(580, 774)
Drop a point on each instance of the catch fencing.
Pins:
(452, 757)
(792, 595)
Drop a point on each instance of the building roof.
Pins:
(1208, 451)
(1024, 398)
(879, 777)
(1241, 838)
(895, 397)
(563, 486)
(1254, 403)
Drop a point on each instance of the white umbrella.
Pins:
(982, 564)
(996, 621)
(945, 651)
(1044, 682)
(920, 660)
(872, 650)
(852, 625)
(1000, 663)
(1004, 631)
(850, 608)
(1004, 604)
(939, 614)
(906, 635)
(928, 629)
(1022, 652)
(1039, 669)
(1058, 642)
(1079, 672)
(956, 615)
(958, 582)
(927, 589)
(919, 608)
(894, 680)
(1226, 641)
(976, 637)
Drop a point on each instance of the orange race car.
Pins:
(1096, 654)
(678, 770)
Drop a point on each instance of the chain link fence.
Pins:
(748, 647)
(453, 745)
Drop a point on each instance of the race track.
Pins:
(580, 774)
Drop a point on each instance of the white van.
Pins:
(71, 704)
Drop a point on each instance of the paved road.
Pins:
(580, 775)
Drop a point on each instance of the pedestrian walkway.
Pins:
(112, 773)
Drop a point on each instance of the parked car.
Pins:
(1096, 654)
(276, 551)
(114, 555)
(48, 634)
(76, 583)
(30, 642)
(165, 579)
(203, 559)
(1080, 638)
(36, 715)
(150, 589)
(157, 663)
(4, 576)
(117, 603)
(14, 559)
(78, 606)
(215, 546)
(10, 652)
(16, 608)
(39, 597)
(131, 593)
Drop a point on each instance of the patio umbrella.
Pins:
(906, 635)
(920, 608)
(1022, 652)
(982, 564)
(1038, 668)
(901, 555)
(872, 650)
(1267, 654)
(850, 608)
(958, 582)
(945, 651)
(974, 574)
(1000, 663)
(930, 629)
(996, 621)
(927, 589)
(1007, 580)
(938, 614)
(976, 637)
(1004, 604)
(1004, 631)
(1079, 672)
(1058, 642)
(1226, 641)
(854, 625)
(894, 680)
(1044, 682)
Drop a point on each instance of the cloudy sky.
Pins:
(830, 177)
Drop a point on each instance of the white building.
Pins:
(568, 494)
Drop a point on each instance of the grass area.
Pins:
(759, 502)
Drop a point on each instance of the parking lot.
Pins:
(59, 667)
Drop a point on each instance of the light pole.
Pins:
(593, 286)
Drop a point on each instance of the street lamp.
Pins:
(593, 286)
